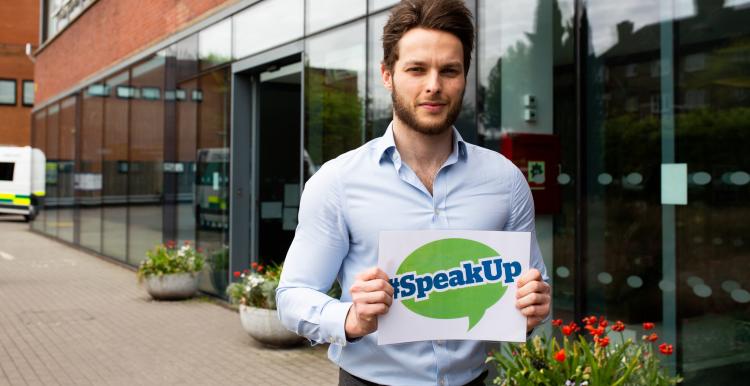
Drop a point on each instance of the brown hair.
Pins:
(450, 16)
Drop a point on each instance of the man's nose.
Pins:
(434, 85)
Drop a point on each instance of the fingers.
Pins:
(532, 299)
(371, 274)
(532, 274)
(377, 297)
(532, 287)
(374, 285)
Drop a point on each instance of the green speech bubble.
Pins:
(471, 302)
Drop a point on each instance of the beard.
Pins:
(409, 116)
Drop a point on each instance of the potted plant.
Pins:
(580, 361)
(255, 293)
(171, 273)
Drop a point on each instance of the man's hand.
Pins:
(372, 295)
(533, 298)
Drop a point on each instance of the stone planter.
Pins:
(174, 286)
(265, 327)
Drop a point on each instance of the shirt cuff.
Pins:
(333, 320)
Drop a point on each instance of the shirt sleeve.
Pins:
(522, 220)
(320, 244)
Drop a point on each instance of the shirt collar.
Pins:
(386, 146)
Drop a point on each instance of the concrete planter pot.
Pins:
(264, 326)
(174, 286)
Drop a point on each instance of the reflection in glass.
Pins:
(66, 161)
(145, 170)
(211, 178)
(39, 141)
(322, 14)
(379, 109)
(712, 114)
(334, 93)
(526, 48)
(215, 44)
(88, 187)
(377, 5)
(51, 203)
(115, 171)
(267, 24)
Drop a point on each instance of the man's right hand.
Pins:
(372, 295)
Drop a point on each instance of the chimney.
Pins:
(624, 30)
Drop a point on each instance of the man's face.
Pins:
(427, 81)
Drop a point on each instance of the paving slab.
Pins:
(70, 318)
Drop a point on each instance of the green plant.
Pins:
(219, 260)
(579, 361)
(257, 286)
(166, 258)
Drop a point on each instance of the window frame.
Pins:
(15, 92)
(23, 92)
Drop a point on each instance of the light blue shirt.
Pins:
(347, 203)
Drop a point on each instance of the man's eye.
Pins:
(415, 69)
(450, 71)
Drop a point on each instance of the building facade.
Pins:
(19, 25)
(202, 120)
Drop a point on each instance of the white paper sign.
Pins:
(453, 285)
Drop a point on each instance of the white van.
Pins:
(22, 171)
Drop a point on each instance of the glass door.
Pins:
(278, 160)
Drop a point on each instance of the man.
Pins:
(420, 175)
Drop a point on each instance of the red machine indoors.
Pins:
(538, 157)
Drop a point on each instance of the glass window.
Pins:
(185, 54)
(39, 141)
(334, 93)
(266, 25)
(377, 5)
(52, 202)
(711, 117)
(146, 157)
(115, 171)
(379, 109)
(215, 44)
(8, 92)
(322, 14)
(211, 176)
(7, 170)
(65, 174)
(524, 50)
(28, 92)
(89, 174)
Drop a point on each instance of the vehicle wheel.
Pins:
(32, 214)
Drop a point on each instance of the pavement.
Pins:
(71, 318)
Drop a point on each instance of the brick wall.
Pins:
(19, 24)
(108, 32)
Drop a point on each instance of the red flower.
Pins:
(254, 265)
(595, 331)
(666, 349)
(557, 322)
(260, 268)
(170, 244)
(245, 271)
(200, 249)
(652, 338)
(603, 342)
(603, 322)
(187, 242)
(567, 330)
(237, 273)
(560, 356)
(648, 325)
(589, 319)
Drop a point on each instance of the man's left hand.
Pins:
(533, 298)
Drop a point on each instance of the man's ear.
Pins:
(387, 76)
